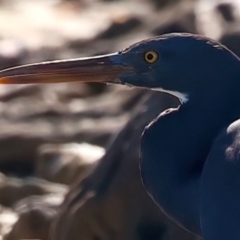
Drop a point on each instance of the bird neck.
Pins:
(174, 149)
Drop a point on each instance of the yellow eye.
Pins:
(151, 57)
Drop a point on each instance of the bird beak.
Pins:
(106, 68)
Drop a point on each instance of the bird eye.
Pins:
(151, 57)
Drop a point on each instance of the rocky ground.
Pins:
(69, 152)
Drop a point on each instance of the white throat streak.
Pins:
(183, 97)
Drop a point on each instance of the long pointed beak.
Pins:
(106, 68)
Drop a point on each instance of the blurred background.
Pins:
(69, 153)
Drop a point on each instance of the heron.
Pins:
(190, 155)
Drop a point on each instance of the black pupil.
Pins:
(150, 56)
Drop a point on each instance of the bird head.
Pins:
(183, 65)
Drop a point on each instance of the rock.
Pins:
(232, 40)
(179, 18)
(66, 22)
(217, 18)
(35, 217)
(12, 53)
(164, 3)
(120, 26)
(64, 163)
(220, 20)
(227, 11)
(13, 189)
(170, 28)
(111, 203)
(208, 20)
(37, 114)
(7, 220)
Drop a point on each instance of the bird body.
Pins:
(190, 156)
(172, 162)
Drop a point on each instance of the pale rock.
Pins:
(64, 163)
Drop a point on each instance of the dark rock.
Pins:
(232, 41)
(179, 18)
(8, 93)
(170, 28)
(164, 3)
(226, 10)
(120, 26)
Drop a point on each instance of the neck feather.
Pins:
(174, 148)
